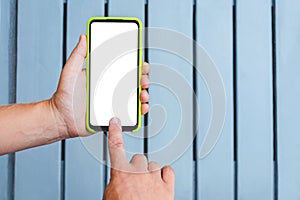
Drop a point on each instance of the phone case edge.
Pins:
(139, 125)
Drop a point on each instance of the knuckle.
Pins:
(154, 164)
(115, 141)
(169, 170)
(139, 157)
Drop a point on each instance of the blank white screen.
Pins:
(105, 80)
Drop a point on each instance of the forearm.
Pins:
(28, 125)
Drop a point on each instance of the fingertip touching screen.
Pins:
(114, 73)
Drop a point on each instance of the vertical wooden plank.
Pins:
(84, 175)
(254, 100)
(214, 33)
(134, 142)
(4, 187)
(7, 77)
(176, 16)
(4, 70)
(288, 95)
(37, 171)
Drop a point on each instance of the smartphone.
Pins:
(113, 72)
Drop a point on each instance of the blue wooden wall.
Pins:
(255, 45)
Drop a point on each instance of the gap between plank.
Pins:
(63, 142)
(274, 82)
(12, 87)
(146, 53)
(235, 99)
(195, 118)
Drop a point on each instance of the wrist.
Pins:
(58, 119)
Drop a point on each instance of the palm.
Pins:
(70, 97)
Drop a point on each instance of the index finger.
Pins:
(116, 145)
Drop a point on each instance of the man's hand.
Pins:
(68, 102)
(23, 126)
(137, 179)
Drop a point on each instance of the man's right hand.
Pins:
(137, 179)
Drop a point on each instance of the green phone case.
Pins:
(88, 67)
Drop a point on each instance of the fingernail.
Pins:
(117, 122)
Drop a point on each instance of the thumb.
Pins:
(78, 55)
(116, 145)
(168, 175)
